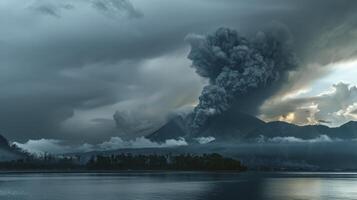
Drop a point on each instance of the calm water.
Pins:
(179, 186)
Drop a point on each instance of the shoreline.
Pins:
(170, 172)
(118, 171)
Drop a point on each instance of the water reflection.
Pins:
(178, 186)
(298, 188)
(311, 186)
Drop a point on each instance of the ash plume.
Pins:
(237, 68)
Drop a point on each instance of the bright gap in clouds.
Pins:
(345, 72)
(341, 72)
(330, 100)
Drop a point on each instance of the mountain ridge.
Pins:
(8, 152)
(240, 126)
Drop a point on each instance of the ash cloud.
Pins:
(236, 67)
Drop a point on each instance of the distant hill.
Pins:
(236, 137)
(238, 126)
(7, 152)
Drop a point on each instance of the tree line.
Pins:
(204, 162)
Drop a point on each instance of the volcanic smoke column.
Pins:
(235, 67)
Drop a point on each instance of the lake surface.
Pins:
(178, 186)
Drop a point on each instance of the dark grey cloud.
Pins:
(236, 67)
(110, 8)
(115, 7)
(354, 112)
(324, 33)
(319, 39)
(59, 75)
(51, 8)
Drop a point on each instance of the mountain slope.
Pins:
(7, 152)
(238, 126)
(175, 128)
(231, 125)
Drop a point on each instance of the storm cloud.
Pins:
(50, 7)
(67, 67)
(115, 7)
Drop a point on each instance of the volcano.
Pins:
(239, 126)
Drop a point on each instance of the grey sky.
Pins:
(66, 67)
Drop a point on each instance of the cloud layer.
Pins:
(52, 146)
(67, 67)
(291, 139)
(333, 107)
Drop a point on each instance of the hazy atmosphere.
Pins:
(97, 73)
(178, 99)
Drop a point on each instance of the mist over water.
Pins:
(178, 185)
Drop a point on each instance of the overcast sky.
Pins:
(67, 67)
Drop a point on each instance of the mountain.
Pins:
(239, 126)
(175, 128)
(348, 130)
(231, 125)
(7, 152)
(220, 127)
(283, 129)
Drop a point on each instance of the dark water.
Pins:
(179, 186)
